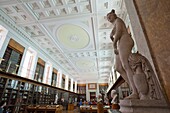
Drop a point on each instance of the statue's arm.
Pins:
(117, 35)
(111, 34)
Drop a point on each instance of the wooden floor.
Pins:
(73, 111)
(78, 111)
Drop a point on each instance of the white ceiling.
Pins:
(75, 33)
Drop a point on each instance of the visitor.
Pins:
(2, 105)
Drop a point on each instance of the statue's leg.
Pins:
(119, 68)
(141, 85)
(124, 52)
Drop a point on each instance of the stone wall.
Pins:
(154, 17)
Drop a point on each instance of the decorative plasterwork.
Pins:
(84, 52)
(85, 64)
(72, 36)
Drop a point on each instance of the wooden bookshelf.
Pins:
(19, 92)
(81, 88)
(92, 96)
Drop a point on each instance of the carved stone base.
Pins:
(144, 106)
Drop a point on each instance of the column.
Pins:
(71, 88)
(97, 90)
(34, 67)
(28, 65)
(150, 25)
(111, 79)
(4, 40)
(47, 73)
(75, 89)
(3, 48)
(87, 92)
(66, 83)
(59, 78)
(23, 67)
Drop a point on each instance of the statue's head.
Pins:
(113, 93)
(111, 16)
(113, 11)
(99, 95)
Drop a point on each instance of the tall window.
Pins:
(69, 84)
(54, 79)
(11, 61)
(63, 81)
(12, 57)
(39, 71)
(73, 86)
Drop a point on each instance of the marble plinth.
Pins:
(144, 106)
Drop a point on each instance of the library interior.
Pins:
(84, 56)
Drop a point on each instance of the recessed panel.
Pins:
(72, 36)
(85, 64)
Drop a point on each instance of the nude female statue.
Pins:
(122, 44)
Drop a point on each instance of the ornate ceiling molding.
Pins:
(72, 36)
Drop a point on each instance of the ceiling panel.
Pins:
(75, 33)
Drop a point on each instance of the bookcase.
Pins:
(81, 89)
(82, 97)
(103, 88)
(92, 96)
(19, 92)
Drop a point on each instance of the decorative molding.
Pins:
(92, 86)
(18, 31)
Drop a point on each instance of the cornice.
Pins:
(16, 30)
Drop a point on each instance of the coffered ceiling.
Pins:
(75, 33)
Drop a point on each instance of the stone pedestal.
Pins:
(144, 106)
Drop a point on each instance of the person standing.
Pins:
(2, 105)
(99, 98)
(64, 103)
